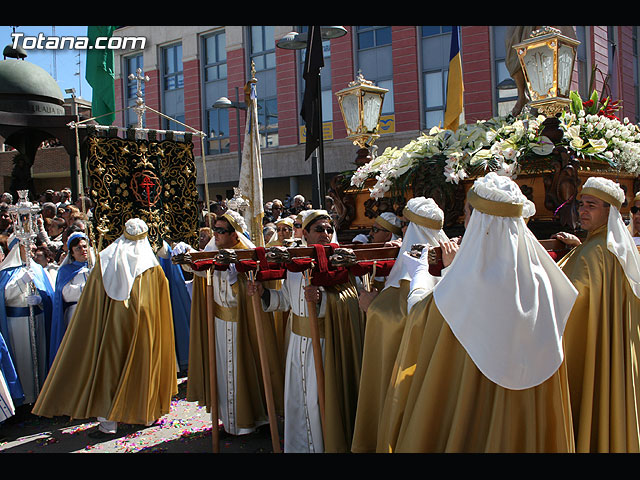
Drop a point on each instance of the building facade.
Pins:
(191, 67)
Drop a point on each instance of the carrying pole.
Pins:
(266, 371)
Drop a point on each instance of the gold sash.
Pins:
(228, 314)
(301, 326)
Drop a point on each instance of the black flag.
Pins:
(311, 105)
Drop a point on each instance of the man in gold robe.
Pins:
(117, 358)
(480, 364)
(385, 319)
(340, 322)
(603, 331)
(240, 391)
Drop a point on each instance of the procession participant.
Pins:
(297, 226)
(70, 281)
(241, 401)
(25, 290)
(117, 358)
(385, 319)
(385, 228)
(10, 389)
(180, 305)
(205, 234)
(485, 373)
(603, 331)
(284, 230)
(339, 324)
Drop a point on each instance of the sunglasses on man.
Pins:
(221, 230)
(321, 229)
(635, 209)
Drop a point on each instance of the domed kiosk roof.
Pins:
(28, 89)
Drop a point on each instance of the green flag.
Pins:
(100, 75)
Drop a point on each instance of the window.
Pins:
(374, 59)
(581, 62)
(214, 54)
(263, 54)
(506, 92)
(436, 46)
(131, 65)
(173, 86)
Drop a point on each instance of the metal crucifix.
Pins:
(140, 107)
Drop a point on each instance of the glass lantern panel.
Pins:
(371, 104)
(538, 62)
(566, 56)
(351, 112)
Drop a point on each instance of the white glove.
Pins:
(33, 300)
(181, 247)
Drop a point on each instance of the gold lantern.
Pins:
(547, 59)
(361, 106)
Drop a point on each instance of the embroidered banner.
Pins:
(147, 179)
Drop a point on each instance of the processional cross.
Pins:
(139, 108)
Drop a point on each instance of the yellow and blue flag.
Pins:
(455, 86)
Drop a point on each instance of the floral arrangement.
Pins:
(507, 145)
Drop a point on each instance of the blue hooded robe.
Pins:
(180, 306)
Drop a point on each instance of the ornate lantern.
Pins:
(361, 106)
(547, 59)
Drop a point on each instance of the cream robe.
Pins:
(600, 343)
(341, 323)
(302, 424)
(439, 401)
(240, 390)
(117, 358)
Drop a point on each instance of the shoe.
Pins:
(99, 434)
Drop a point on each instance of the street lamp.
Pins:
(224, 102)
(361, 107)
(547, 59)
(298, 41)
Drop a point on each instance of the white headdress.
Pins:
(126, 258)
(426, 227)
(516, 300)
(619, 239)
(389, 221)
(13, 258)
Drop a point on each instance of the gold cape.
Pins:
(251, 404)
(342, 364)
(440, 402)
(385, 319)
(600, 343)
(117, 359)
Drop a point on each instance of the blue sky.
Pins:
(63, 66)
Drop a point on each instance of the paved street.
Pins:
(185, 429)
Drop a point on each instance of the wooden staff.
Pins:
(213, 376)
(317, 350)
(266, 372)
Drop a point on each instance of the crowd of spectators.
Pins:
(58, 218)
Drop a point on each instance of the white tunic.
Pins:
(71, 293)
(226, 352)
(16, 293)
(7, 409)
(302, 422)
